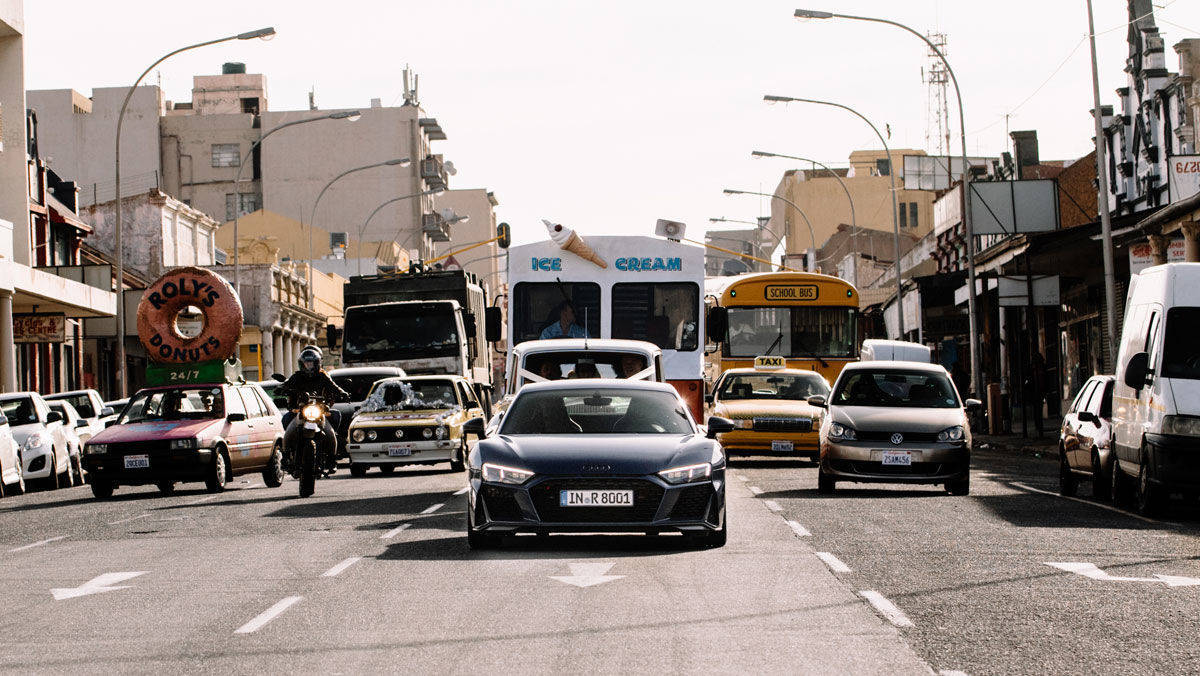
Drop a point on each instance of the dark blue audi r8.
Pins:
(597, 456)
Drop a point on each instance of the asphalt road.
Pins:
(374, 575)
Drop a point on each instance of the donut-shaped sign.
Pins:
(190, 315)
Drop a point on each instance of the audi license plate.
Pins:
(398, 450)
(897, 458)
(595, 498)
(137, 461)
(782, 446)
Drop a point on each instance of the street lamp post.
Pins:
(790, 203)
(976, 365)
(122, 381)
(891, 177)
(312, 221)
(363, 229)
(351, 115)
(853, 218)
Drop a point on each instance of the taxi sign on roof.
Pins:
(766, 362)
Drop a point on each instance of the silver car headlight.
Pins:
(956, 433)
(505, 475)
(1181, 425)
(840, 432)
(687, 473)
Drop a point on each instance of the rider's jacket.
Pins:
(303, 385)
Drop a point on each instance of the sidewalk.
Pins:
(1046, 445)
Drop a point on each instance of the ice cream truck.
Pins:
(630, 287)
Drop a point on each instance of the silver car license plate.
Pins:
(571, 498)
(903, 458)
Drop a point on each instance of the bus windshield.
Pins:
(796, 332)
(392, 332)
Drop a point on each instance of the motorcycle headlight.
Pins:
(357, 436)
(36, 439)
(372, 435)
(312, 413)
(427, 432)
(956, 433)
(1182, 425)
(840, 432)
(95, 449)
(744, 423)
(687, 473)
(505, 475)
(183, 444)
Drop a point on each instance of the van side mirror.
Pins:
(475, 426)
(1136, 371)
(973, 404)
(717, 323)
(469, 325)
(818, 401)
(493, 324)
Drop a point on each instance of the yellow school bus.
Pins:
(809, 319)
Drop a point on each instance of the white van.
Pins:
(1156, 403)
(875, 349)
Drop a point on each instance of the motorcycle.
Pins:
(307, 465)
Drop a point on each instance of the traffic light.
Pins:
(504, 233)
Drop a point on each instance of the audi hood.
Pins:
(607, 454)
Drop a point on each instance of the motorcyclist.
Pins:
(311, 381)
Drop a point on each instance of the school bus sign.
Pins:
(791, 292)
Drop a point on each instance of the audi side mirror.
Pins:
(476, 426)
(1136, 371)
(818, 401)
(718, 425)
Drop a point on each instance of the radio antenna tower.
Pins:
(937, 130)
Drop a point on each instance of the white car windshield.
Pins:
(597, 410)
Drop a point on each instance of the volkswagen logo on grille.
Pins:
(897, 438)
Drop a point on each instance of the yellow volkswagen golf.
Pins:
(414, 420)
(770, 410)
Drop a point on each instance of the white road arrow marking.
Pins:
(1089, 570)
(96, 585)
(587, 574)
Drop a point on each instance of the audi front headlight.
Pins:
(183, 444)
(687, 473)
(505, 475)
(956, 433)
(840, 432)
(312, 413)
(1181, 425)
(357, 436)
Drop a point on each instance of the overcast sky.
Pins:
(608, 115)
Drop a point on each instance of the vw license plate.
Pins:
(782, 446)
(897, 458)
(137, 461)
(595, 498)
(398, 450)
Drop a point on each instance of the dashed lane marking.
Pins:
(39, 543)
(952, 672)
(462, 491)
(1101, 505)
(333, 572)
(799, 530)
(773, 506)
(835, 564)
(268, 615)
(393, 532)
(755, 490)
(132, 518)
(886, 608)
(204, 499)
(433, 508)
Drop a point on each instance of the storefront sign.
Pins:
(39, 328)
(1141, 258)
(1183, 176)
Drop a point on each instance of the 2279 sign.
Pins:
(791, 292)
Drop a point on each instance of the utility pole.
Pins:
(1110, 297)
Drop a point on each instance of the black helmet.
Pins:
(310, 359)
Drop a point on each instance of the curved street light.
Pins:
(811, 233)
(891, 177)
(122, 383)
(968, 230)
(758, 226)
(363, 229)
(351, 115)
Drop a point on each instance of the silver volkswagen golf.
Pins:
(895, 422)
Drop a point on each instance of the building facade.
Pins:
(486, 261)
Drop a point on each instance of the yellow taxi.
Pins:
(413, 420)
(769, 408)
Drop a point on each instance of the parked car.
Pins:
(1156, 424)
(12, 480)
(414, 420)
(895, 422)
(769, 409)
(208, 432)
(72, 424)
(1084, 441)
(117, 406)
(39, 432)
(597, 456)
(357, 381)
(89, 406)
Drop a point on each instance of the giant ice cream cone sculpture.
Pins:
(569, 240)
